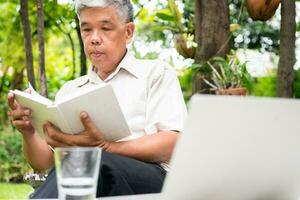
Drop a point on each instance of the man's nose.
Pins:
(96, 38)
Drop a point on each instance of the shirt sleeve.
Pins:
(166, 109)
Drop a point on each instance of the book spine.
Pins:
(58, 119)
(67, 128)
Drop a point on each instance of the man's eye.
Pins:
(86, 30)
(106, 29)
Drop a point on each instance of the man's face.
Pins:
(104, 36)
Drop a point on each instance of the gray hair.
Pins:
(123, 7)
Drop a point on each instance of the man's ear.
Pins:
(130, 27)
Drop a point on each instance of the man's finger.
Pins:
(21, 124)
(53, 143)
(61, 137)
(28, 90)
(88, 123)
(12, 101)
(19, 113)
(26, 118)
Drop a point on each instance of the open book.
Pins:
(99, 102)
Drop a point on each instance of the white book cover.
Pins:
(99, 102)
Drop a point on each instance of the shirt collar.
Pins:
(128, 63)
(131, 64)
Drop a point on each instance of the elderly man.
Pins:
(148, 92)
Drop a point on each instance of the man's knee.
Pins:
(123, 175)
(112, 176)
(116, 167)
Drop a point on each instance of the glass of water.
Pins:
(77, 170)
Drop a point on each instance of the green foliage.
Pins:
(265, 86)
(11, 40)
(167, 19)
(3, 113)
(165, 14)
(14, 191)
(59, 66)
(185, 79)
(297, 84)
(171, 16)
(13, 165)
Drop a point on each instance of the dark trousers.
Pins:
(118, 175)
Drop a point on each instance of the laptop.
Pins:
(237, 148)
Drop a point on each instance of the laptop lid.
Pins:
(237, 148)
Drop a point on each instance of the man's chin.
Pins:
(97, 65)
(97, 61)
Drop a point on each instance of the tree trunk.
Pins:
(41, 41)
(287, 49)
(212, 35)
(73, 54)
(27, 41)
(83, 67)
(17, 78)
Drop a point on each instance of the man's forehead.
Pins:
(102, 21)
(101, 15)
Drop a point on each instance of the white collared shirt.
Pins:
(148, 92)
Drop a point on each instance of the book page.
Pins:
(41, 113)
(102, 106)
(34, 96)
(38, 96)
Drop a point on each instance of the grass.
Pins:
(14, 191)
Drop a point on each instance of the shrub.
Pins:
(13, 165)
(265, 86)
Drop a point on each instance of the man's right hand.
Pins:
(19, 116)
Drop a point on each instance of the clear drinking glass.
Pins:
(77, 170)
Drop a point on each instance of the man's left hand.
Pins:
(91, 136)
